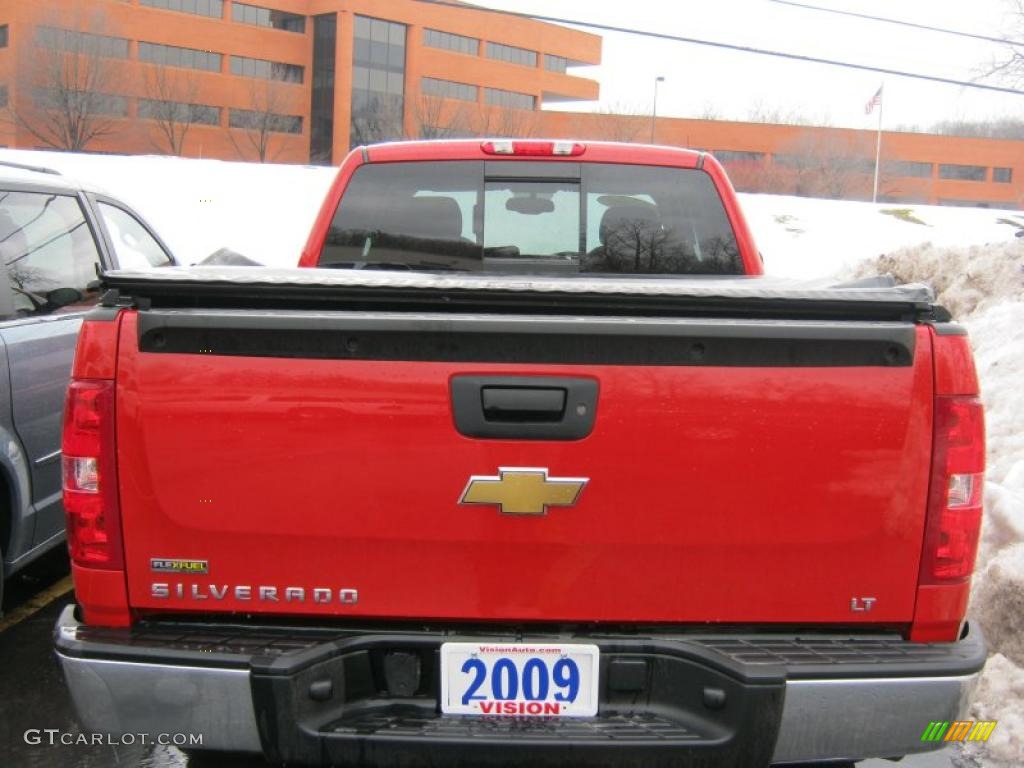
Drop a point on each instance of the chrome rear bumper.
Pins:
(168, 689)
(874, 717)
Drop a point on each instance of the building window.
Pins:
(212, 8)
(737, 156)
(172, 56)
(511, 54)
(790, 161)
(967, 203)
(962, 172)
(321, 111)
(1002, 175)
(81, 102)
(267, 17)
(378, 80)
(501, 98)
(178, 111)
(555, 63)
(5, 35)
(3, 96)
(271, 121)
(87, 43)
(435, 38)
(911, 169)
(266, 70)
(447, 89)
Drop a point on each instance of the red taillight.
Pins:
(90, 475)
(535, 148)
(955, 497)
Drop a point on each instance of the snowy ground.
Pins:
(801, 237)
(970, 256)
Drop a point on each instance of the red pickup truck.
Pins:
(534, 468)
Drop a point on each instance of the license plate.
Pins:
(525, 679)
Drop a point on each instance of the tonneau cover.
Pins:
(242, 287)
(738, 287)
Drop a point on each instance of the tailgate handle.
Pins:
(523, 403)
(524, 407)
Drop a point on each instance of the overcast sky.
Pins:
(699, 80)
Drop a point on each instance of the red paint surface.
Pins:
(954, 366)
(102, 595)
(940, 612)
(717, 495)
(95, 355)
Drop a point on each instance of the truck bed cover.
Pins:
(743, 296)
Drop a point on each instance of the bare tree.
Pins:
(1009, 68)
(823, 164)
(896, 179)
(756, 175)
(710, 111)
(505, 123)
(266, 116)
(65, 82)
(378, 119)
(760, 112)
(171, 105)
(997, 128)
(616, 122)
(436, 118)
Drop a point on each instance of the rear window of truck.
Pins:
(526, 217)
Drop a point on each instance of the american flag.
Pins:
(875, 101)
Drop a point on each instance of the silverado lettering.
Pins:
(770, 561)
(164, 590)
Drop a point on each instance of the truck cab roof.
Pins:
(533, 149)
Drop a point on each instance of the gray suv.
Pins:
(55, 236)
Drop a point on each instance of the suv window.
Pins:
(473, 216)
(133, 244)
(48, 251)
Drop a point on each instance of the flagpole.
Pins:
(878, 142)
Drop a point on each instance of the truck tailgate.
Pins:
(737, 471)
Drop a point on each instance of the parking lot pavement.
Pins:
(33, 696)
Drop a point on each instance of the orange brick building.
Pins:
(830, 162)
(303, 80)
(291, 80)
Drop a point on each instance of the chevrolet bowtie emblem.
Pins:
(523, 490)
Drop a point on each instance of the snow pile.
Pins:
(997, 335)
(997, 601)
(984, 287)
(966, 280)
(999, 697)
